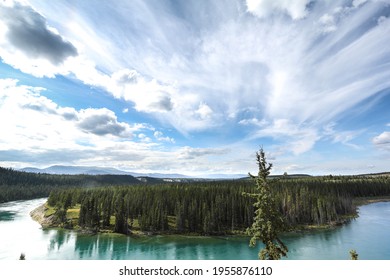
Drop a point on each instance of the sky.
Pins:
(196, 87)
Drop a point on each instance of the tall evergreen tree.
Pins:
(268, 222)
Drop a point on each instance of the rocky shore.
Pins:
(38, 214)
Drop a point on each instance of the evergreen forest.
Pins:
(216, 207)
(125, 204)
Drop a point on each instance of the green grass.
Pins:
(73, 213)
(49, 211)
(171, 222)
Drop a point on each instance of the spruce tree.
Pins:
(268, 222)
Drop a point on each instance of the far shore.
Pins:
(368, 200)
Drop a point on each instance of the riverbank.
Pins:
(39, 215)
(368, 200)
(360, 201)
(45, 216)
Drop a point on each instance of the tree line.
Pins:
(215, 207)
(17, 185)
(202, 208)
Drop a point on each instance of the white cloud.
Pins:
(382, 141)
(263, 8)
(193, 153)
(102, 122)
(204, 111)
(31, 120)
(160, 137)
(344, 137)
(328, 23)
(144, 138)
(300, 137)
(38, 122)
(357, 3)
(147, 95)
(253, 121)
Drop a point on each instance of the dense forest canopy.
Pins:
(215, 207)
(122, 202)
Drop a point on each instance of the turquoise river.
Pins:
(369, 235)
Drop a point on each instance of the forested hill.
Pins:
(16, 185)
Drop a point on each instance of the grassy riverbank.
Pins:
(45, 215)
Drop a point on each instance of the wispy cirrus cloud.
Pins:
(191, 153)
(289, 68)
(280, 70)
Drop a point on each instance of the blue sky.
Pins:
(196, 87)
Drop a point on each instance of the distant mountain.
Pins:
(380, 174)
(31, 170)
(74, 170)
(223, 176)
(160, 175)
(290, 176)
(94, 170)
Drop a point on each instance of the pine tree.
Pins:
(268, 222)
(121, 225)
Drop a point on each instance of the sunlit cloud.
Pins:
(382, 141)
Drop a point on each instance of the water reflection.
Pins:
(59, 238)
(7, 215)
(104, 246)
(85, 245)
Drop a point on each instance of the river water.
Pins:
(369, 235)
